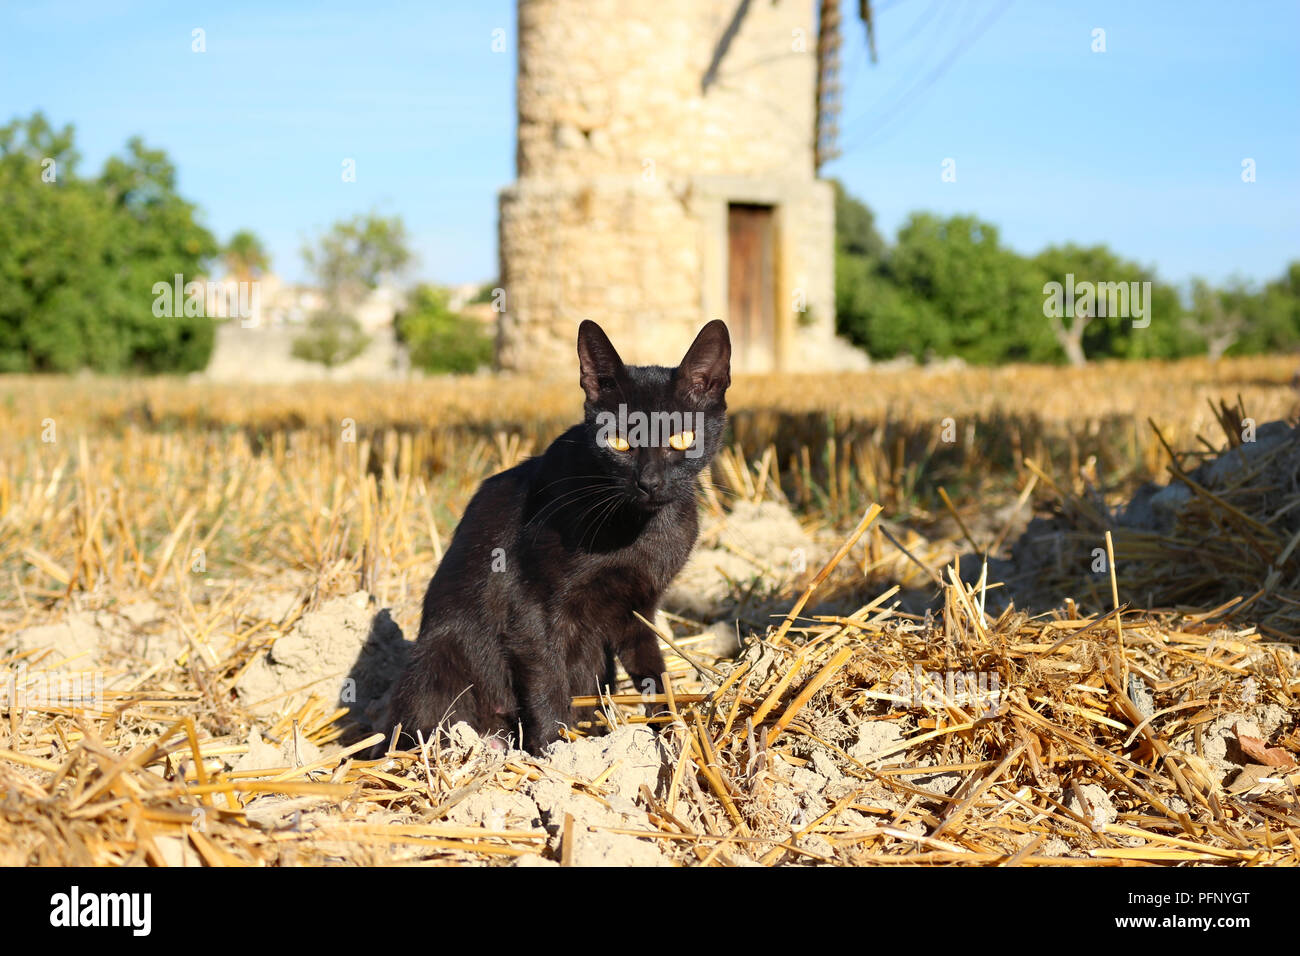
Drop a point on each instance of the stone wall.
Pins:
(607, 86)
(622, 252)
(265, 355)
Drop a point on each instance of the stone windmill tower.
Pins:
(666, 169)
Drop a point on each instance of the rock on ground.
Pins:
(343, 651)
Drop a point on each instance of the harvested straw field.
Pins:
(982, 617)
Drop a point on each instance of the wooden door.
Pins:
(751, 285)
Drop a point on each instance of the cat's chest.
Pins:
(634, 575)
(649, 563)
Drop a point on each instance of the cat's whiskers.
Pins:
(591, 481)
(573, 496)
(610, 505)
(598, 478)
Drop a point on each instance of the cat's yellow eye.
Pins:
(618, 443)
(682, 440)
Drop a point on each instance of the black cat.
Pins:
(553, 559)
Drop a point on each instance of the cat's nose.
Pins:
(649, 485)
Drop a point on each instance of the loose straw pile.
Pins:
(1233, 550)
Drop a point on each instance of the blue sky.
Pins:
(1139, 147)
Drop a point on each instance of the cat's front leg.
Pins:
(643, 661)
(543, 702)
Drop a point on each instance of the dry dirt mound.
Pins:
(345, 652)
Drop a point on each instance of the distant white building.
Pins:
(271, 302)
(380, 307)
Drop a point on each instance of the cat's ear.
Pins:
(705, 371)
(600, 367)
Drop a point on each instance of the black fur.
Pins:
(536, 594)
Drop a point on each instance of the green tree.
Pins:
(855, 226)
(1113, 335)
(79, 258)
(877, 314)
(486, 293)
(156, 236)
(1217, 317)
(355, 255)
(245, 257)
(871, 309)
(948, 286)
(349, 260)
(331, 338)
(439, 339)
(984, 297)
(1272, 315)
